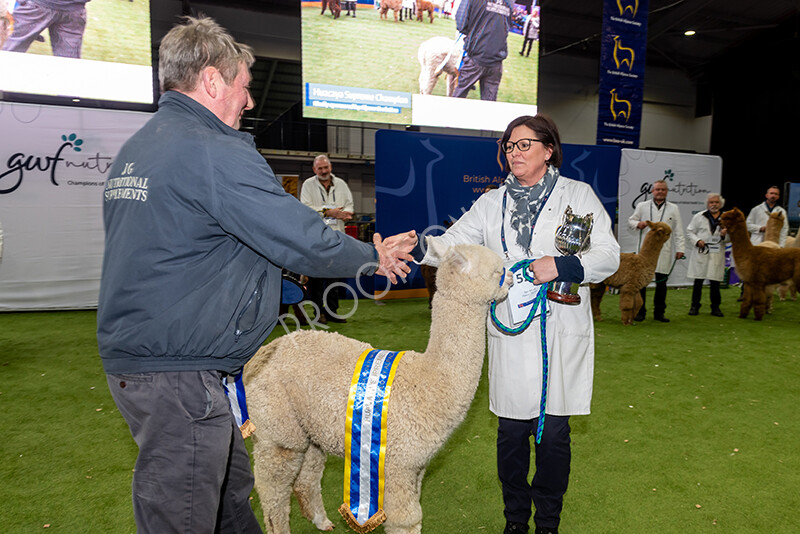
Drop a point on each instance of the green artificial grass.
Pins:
(694, 428)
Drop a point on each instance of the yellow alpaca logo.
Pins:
(632, 6)
(620, 50)
(615, 103)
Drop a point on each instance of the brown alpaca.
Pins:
(772, 237)
(758, 266)
(334, 5)
(788, 288)
(394, 5)
(429, 275)
(635, 272)
(422, 7)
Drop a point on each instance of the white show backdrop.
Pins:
(690, 178)
(53, 167)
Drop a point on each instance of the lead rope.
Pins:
(539, 302)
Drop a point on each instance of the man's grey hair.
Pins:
(198, 43)
(320, 158)
(716, 195)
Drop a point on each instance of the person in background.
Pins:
(530, 31)
(64, 20)
(329, 196)
(485, 24)
(707, 260)
(659, 210)
(197, 229)
(519, 222)
(758, 216)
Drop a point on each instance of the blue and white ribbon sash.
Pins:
(365, 439)
(234, 390)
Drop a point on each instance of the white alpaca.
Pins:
(436, 55)
(298, 388)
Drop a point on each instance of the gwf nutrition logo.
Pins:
(65, 157)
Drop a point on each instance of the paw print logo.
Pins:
(669, 175)
(72, 138)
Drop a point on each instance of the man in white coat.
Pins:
(659, 210)
(707, 261)
(758, 216)
(329, 196)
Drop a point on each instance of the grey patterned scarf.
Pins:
(527, 203)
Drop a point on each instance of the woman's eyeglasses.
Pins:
(522, 144)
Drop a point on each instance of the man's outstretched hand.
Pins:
(393, 252)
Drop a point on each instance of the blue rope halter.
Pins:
(539, 302)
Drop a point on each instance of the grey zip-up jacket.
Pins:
(197, 230)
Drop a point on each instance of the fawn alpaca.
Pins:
(635, 272)
(298, 388)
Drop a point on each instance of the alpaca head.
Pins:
(659, 230)
(470, 273)
(729, 219)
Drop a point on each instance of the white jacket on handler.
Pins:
(703, 266)
(670, 214)
(515, 361)
(758, 217)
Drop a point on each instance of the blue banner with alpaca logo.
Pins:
(622, 62)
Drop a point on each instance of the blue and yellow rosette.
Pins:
(365, 439)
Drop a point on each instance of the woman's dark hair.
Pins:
(546, 131)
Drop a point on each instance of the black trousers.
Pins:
(697, 292)
(329, 303)
(546, 490)
(660, 299)
(529, 43)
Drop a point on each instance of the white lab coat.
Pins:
(670, 214)
(758, 217)
(709, 266)
(515, 361)
(313, 195)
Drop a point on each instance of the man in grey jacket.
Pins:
(192, 277)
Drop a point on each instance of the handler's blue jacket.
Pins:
(485, 24)
(197, 230)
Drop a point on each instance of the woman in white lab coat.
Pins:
(519, 222)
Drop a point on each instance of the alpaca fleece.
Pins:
(635, 272)
(758, 266)
(298, 388)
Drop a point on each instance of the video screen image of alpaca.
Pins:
(108, 60)
(405, 61)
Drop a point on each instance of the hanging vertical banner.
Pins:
(622, 57)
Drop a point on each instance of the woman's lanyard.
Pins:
(540, 303)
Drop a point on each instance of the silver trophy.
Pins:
(572, 237)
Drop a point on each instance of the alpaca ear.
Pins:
(459, 260)
(436, 247)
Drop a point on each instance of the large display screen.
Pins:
(382, 62)
(94, 53)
